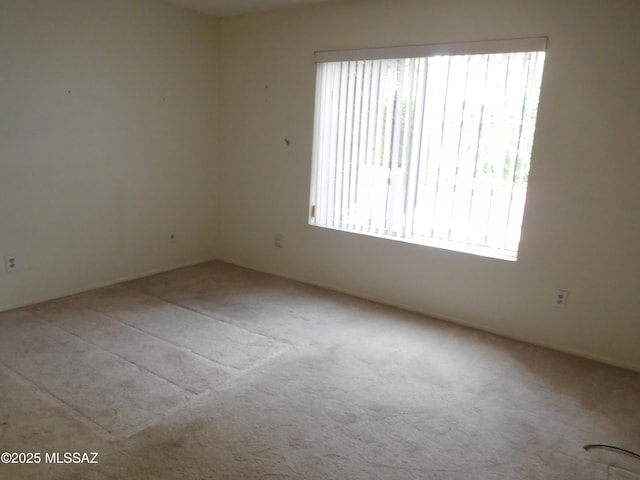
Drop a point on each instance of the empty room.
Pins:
(319, 239)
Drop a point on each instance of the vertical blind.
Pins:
(428, 149)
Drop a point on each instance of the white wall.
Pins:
(108, 142)
(581, 229)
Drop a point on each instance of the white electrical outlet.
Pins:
(278, 240)
(560, 301)
(11, 263)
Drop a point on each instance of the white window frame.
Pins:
(321, 155)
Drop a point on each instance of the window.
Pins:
(427, 144)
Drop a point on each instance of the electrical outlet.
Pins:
(11, 263)
(562, 296)
(278, 240)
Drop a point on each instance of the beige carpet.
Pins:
(218, 372)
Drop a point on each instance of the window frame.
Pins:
(510, 46)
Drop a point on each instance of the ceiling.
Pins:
(222, 8)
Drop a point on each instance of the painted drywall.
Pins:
(108, 142)
(581, 229)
